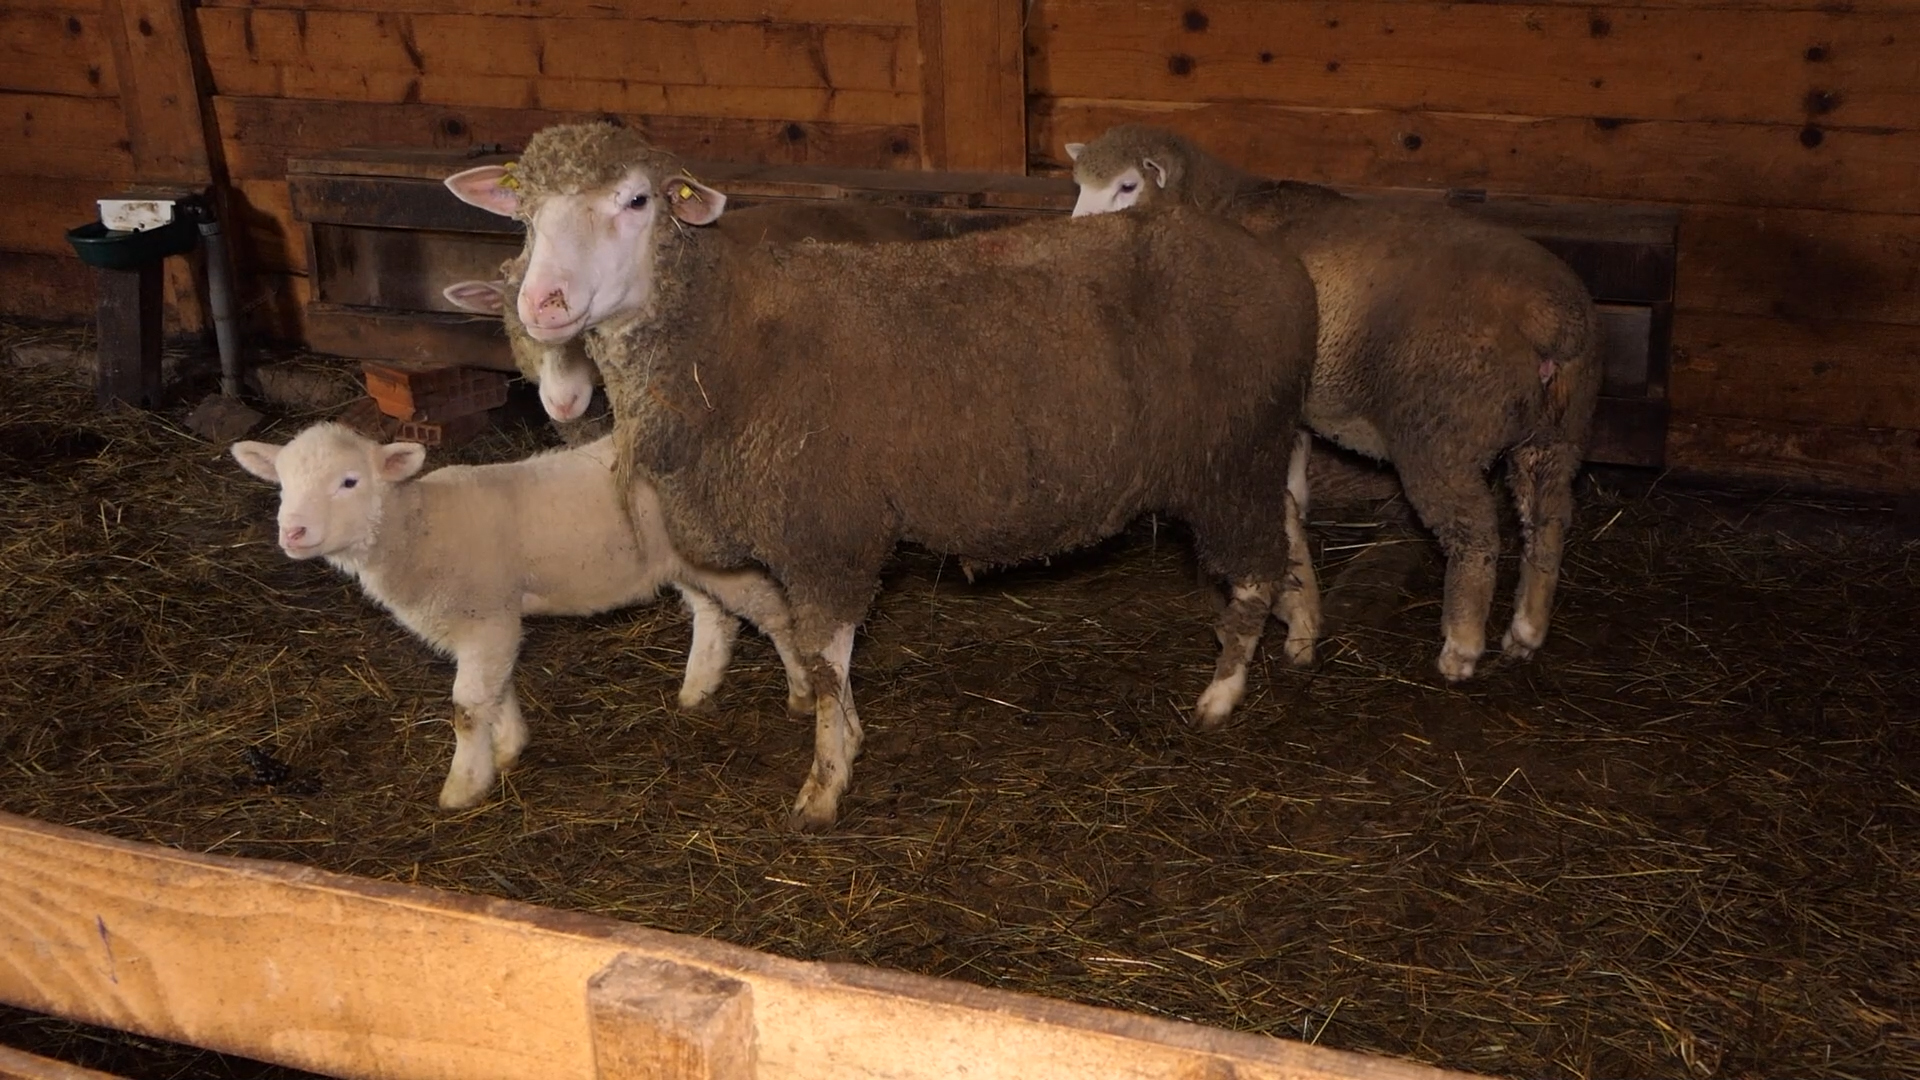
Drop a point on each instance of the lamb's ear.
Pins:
(489, 187)
(1073, 150)
(399, 461)
(694, 202)
(1159, 174)
(486, 297)
(259, 458)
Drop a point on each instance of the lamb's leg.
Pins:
(714, 631)
(1457, 505)
(836, 734)
(1542, 482)
(1298, 602)
(756, 597)
(488, 731)
(1239, 633)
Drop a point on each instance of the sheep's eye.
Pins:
(1127, 187)
(637, 201)
(349, 483)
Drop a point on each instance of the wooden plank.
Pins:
(812, 12)
(973, 90)
(352, 977)
(660, 1020)
(268, 231)
(1838, 373)
(379, 334)
(273, 307)
(20, 1065)
(1628, 431)
(45, 287)
(1805, 456)
(1647, 64)
(127, 325)
(63, 137)
(1647, 161)
(159, 91)
(651, 52)
(262, 133)
(403, 269)
(39, 212)
(48, 51)
(1801, 264)
(391, 203)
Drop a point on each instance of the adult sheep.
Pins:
(1001, 396)
(461, 554)
(1445, 342)
(564, 373)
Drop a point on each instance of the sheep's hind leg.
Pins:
(714, 631)
(1542, 482)
(836, 735)
(1457, 505)
(1298, 601)
(488, 731)
(760, 601)
(1239, 633)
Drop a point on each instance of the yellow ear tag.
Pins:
(685, 192)
(510, 181)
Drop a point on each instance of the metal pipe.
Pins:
(220, 298)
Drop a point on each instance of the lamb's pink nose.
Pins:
(292, 534)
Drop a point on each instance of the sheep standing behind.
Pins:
(564, 373)
(1000, 396)
(1445, 342)
(461, 554)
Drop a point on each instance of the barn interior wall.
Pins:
(1786, 131)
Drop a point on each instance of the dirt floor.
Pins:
(1681, 842)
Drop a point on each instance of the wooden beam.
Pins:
(159, 91)
(1848, 374)
(1800, 456)
(973, 88)
(659, 1020)
(359, 978)
(128, 322)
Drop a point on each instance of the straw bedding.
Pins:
(1681, 842)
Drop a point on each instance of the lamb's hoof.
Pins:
(816, 817)
(800, 705)
(462, 794)
(697, 704)
(1217, 701)
(1457, 664)
(1299, 653)
(1522, 639)
(506, 750)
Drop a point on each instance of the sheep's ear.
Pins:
(489, 187)
(1159, 174)
(259, 458)
(486, 297)
(1073, 150)
(694, 202)
(399, 461)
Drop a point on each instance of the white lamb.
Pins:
(460, 554)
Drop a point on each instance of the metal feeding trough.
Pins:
(133, 237)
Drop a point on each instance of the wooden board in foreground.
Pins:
(361, 978)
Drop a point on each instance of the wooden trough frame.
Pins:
(384, 237)
(359, 978)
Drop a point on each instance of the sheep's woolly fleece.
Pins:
(567, 159)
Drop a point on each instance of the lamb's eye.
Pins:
(637, 201)
(1128, 187)
(349, 483)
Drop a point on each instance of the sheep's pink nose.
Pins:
(293, 534)
(555, 302)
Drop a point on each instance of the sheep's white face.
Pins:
(565, 380)
(589, 255)
(1110, 194)
(332, 483)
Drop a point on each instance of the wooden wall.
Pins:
(1787, 131)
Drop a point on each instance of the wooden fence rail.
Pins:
(360, 978)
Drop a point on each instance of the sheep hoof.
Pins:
(462, 793)
(1218, 699)
(800, 705)
(1522, 639)
(816, 816)
(697, 703)
(1299, 653)
(1456, 664)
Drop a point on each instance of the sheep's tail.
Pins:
(1564, 333)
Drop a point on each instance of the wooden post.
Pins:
(660, 1020)
(128, 315)
(20, 1065)
(973, 85)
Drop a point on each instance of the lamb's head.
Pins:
(1128, 165)
(333, 485)
(565, 378)
(596, 199)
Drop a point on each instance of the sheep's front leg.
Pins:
(488, 731)
(836, 735)
(1239, 633)
(714, 631)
